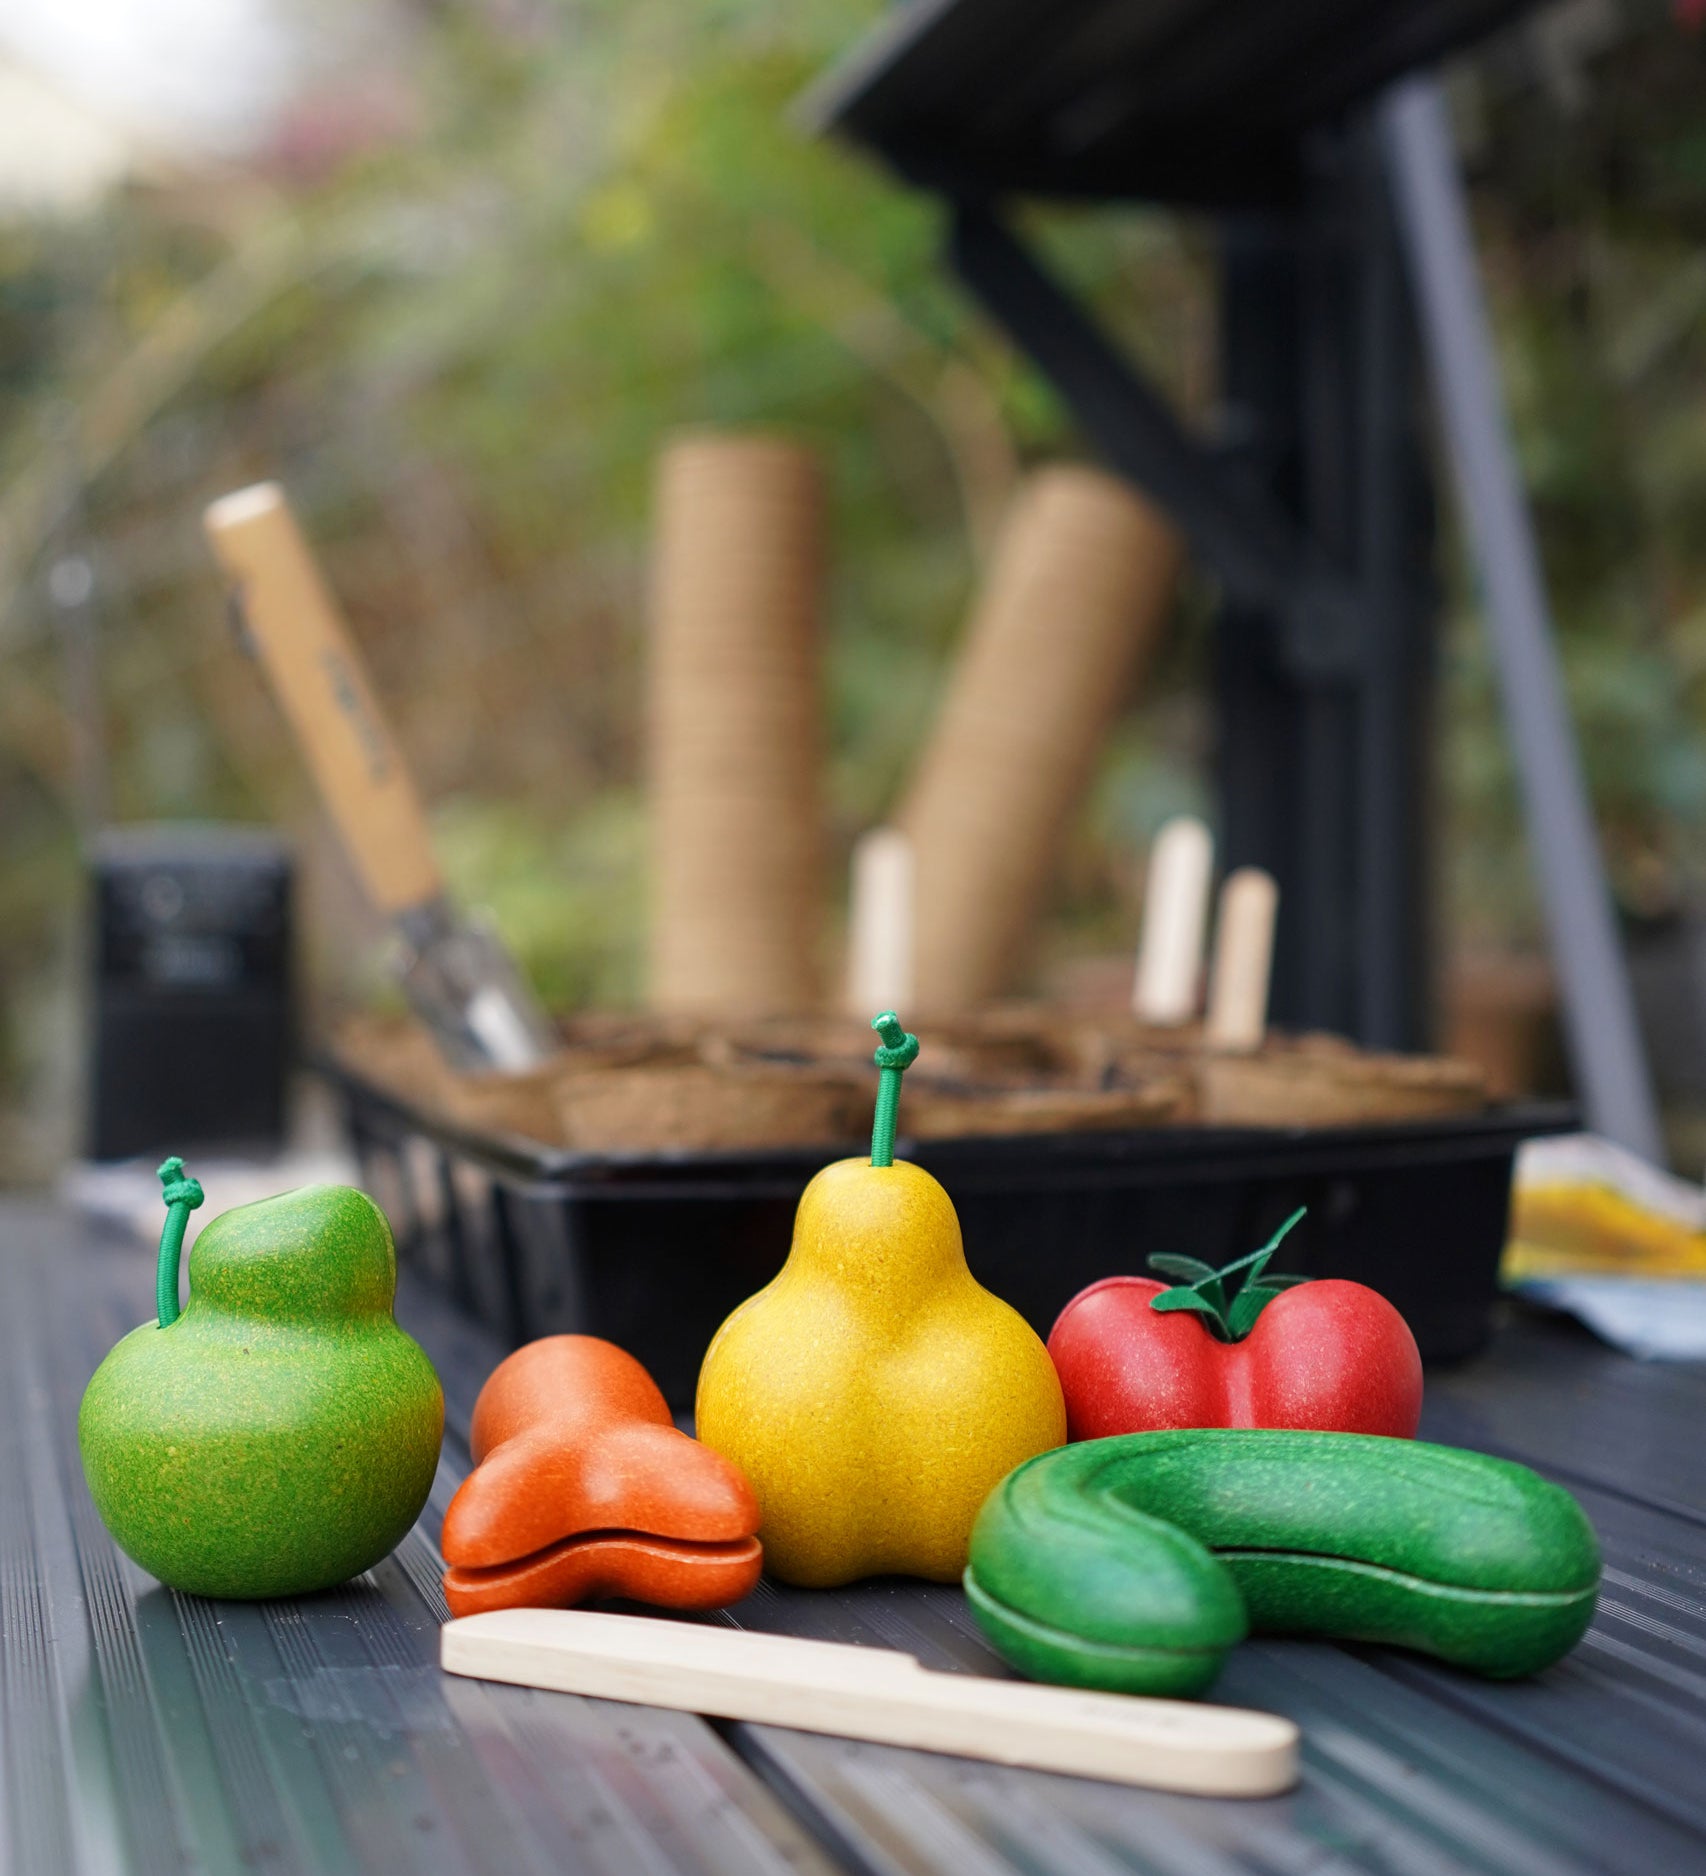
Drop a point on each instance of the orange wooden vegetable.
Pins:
(583, 1487)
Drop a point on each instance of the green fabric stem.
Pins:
(897, 1054)
(182, 1195)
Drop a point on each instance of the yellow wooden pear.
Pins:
(875, 1393)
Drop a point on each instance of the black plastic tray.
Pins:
(654, 1250)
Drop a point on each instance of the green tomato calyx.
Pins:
(1203, 1290)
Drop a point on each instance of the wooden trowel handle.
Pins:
(317, 676)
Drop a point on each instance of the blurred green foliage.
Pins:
(1592, 205)
(460, 335)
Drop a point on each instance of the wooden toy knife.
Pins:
(878, 1694)
(458, 976)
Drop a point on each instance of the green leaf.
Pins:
(1285, 1283)
(1249, 1265)
(1213, 1292)
(1186, 1269)
(1247, 1306)
(1258, 1263)
(1248, 1261)
(1170, 1301)
(1280, 1235)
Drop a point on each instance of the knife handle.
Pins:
(317, 676)
(877, 1694)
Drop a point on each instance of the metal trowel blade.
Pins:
(464, 985)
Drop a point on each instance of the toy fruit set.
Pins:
(1243, 1463)
(279, 1434)
(1243, 1458)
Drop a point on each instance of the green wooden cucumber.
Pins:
(1135, 1563)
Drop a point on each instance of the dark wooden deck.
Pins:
(147, 1731)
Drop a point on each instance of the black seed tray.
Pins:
(653, 1250)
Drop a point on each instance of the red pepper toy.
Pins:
(1136, 1356)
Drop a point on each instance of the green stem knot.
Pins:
(897, 1054)
(182, 1195)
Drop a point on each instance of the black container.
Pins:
(654, 1250)
(190, 999)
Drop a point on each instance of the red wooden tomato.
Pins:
(1328, 1354)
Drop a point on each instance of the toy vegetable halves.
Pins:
(875, 1393)
(582, 1487)
(281, 1433)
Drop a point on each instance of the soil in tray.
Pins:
(636, 1085)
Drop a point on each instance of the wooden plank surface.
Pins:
(145, 1731)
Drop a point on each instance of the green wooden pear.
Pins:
(280, 1434)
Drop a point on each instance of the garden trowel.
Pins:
(456, 972)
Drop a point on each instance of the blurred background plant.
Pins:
(451, 274)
